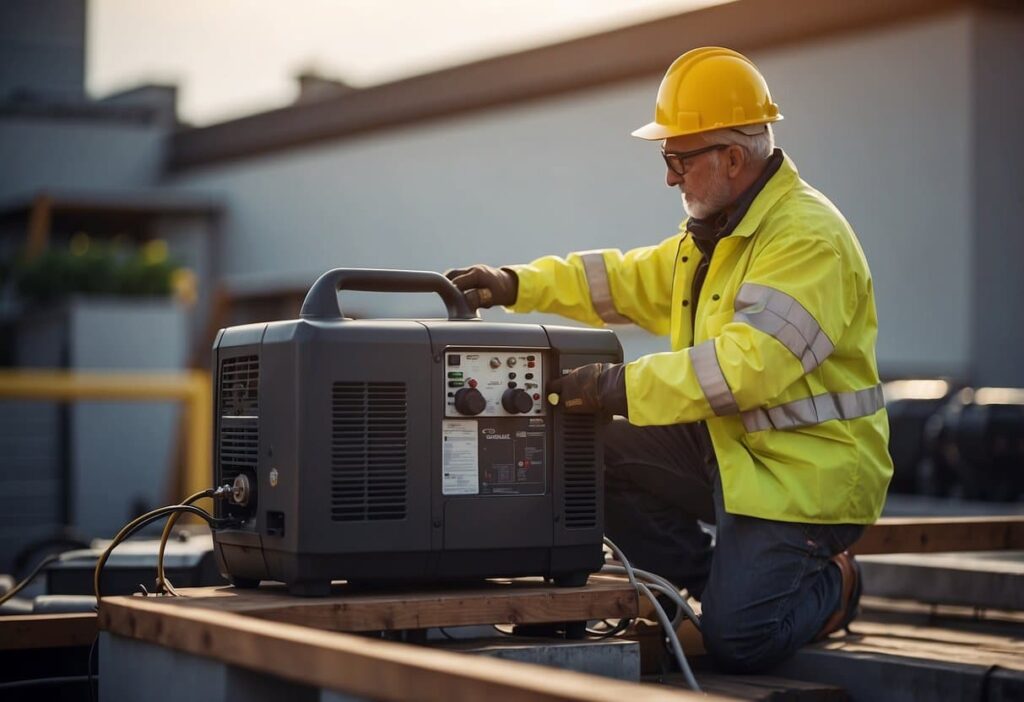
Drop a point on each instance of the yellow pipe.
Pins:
(191, 388)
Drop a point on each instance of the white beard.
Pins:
(717, 198)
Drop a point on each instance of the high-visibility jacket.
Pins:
(780, 361)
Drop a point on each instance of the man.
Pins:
(766, 418)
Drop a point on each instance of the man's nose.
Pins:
(672, 179)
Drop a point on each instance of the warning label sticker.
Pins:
(460, 467)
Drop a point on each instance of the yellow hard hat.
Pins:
(709, 88)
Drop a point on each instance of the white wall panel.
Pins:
(878, 121)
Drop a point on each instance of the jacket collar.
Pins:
(781, 181)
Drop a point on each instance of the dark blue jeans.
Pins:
(766, 587)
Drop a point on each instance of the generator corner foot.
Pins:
(310, 588)
(243, 583)
(578, 579)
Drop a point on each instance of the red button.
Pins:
(536, 395)
(531, 364)
(472, 382)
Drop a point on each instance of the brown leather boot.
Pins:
(849, 601)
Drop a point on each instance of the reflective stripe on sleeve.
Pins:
(782, 317)
(815, 410)
(600, 291)
(709, 374)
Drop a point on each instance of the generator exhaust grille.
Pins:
(239, 445)
(238, 403)
(369, 447)
(579, 471)
(239, 384)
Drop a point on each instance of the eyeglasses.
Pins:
(676, 161)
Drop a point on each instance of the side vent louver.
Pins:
(238, 403)
(369, 445)
(580, 472)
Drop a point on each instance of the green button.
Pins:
(455, 383)
(455, 374)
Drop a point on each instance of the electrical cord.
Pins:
(52, 558)
(612, 630)
(40, 567)
(146, 519)
(663, 586)
(163, 584)
(646, 590)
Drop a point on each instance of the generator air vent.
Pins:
(369, 445)
(238, 449)
(580, 471)
(238, 425)
(239, 383)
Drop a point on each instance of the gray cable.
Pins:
(664, 586)
(663, 619)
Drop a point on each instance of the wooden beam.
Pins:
(22, 631)
(357, 665)
(503, 601)
(39, 226)
(941, 534)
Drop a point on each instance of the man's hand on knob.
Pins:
(485, 286)
(592, 389)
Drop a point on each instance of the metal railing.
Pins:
(191, 388)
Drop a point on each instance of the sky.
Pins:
(235, 57)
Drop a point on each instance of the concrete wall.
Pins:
(997, 329)
(879, 121)
(76, 154)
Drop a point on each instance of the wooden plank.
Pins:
(942, 534)
(933, 643)
(23, 631)
(758, 687)
(356, 665)
(910, 611)
(911, 662)
(994, 579)
(519, 601)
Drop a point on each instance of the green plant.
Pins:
(89, 268)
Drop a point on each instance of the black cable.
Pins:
(92, 651)
(143, 521)
(622, 625)
(30, 577)
(42, 682)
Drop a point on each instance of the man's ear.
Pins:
(737, 160)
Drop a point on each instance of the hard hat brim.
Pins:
(652, 131)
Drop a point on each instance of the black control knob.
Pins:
(470, 401)
(516, 401)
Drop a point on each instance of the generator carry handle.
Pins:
(322, 299)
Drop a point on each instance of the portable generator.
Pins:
(395, 450)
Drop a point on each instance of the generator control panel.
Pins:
(494, 383)
(495, 431)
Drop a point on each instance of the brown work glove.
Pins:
(592, 389)
(485, 286)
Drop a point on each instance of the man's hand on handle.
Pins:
(485, 286)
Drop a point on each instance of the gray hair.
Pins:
(758, 145)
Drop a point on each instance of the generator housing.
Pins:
(404, 450)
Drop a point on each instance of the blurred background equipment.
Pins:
(965, 443)
(975, 446)
(910, 403)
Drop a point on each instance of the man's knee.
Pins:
(737, 646)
